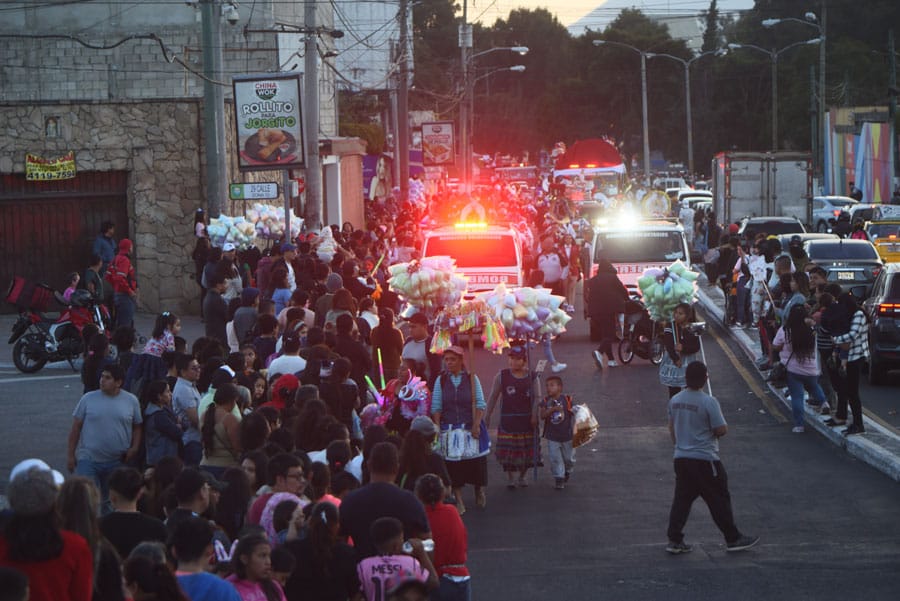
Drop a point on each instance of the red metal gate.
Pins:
(47, 228)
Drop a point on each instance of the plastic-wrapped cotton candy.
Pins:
(268, 220)
(527, 312)
(428, 283)
(664, 289)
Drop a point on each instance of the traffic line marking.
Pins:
(37, 378)
(766, 400)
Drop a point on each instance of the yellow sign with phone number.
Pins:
(41, 169)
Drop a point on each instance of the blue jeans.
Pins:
(796, 383)
(124, 309)
(192, 453)
(547, 343)
(452, 591)
(99, 472)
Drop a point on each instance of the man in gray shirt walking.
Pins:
(106, 431)
(696, 424)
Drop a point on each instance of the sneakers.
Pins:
(558, 367)
(599, 359)
(678, 548)
(742, 544)
(825, 409)
(798, 429)
(853, 429)
(835, 422)
(560, 484)
(612, 363)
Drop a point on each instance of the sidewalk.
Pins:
(878, 446)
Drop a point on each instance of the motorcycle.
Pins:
(40, 340)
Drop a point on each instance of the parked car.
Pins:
(885, 235)
(850, 263)
(826, 208)
(785, 239)
(773, 226)
(882, 307)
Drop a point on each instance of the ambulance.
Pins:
(486, 254)
(633, 245)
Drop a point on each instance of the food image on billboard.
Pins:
(437, 143)
(269, 121)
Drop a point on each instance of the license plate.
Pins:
(846, 275)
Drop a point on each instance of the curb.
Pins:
(879, 447)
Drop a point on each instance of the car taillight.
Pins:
(876, 271)
(837, 212)
(889, 309)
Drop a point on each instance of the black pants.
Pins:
(708, 480)
(849, 392)
(673, 390)
(606, 327)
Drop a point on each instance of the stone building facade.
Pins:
(127, 97)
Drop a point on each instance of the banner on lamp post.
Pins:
(269, 122)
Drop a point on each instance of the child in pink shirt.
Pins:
(382, 573)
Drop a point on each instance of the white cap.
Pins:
(228, 247)
(23, 467)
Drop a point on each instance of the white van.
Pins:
(486, 254)
(633, 248)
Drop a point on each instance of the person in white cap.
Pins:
(58, 563)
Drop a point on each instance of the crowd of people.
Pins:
(253, 462)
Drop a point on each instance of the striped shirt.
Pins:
(857, 337)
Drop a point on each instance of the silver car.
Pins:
(826, 208)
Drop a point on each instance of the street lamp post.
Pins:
(644, 115)
(687, 96)
(467, 109)
(773, 56)
(811, 20)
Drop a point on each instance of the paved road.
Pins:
(828, 523)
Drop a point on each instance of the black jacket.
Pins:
(605, 294)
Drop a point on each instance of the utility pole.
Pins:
(644, 117)
(823, 129)
(465, 43)
(892, 105)
(213, 106)
(313, 209)
(403, 103)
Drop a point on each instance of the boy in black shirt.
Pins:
(556, 411)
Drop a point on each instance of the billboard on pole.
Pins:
(269, 122)
(438, 142)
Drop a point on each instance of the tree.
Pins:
(711, 32)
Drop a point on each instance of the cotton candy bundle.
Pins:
(429, 283)
(527, 312)
(269, 221)
(235, 230)
(664, 289)
(326, 246)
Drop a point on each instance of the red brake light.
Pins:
(836, 212)
(888, 308)
(574, 166)
(876, 271)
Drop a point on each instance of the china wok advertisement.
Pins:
(269, 122)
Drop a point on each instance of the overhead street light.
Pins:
(466, 120)
(810, 20)
(687, 94)
(644, 117)
(773, 56)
